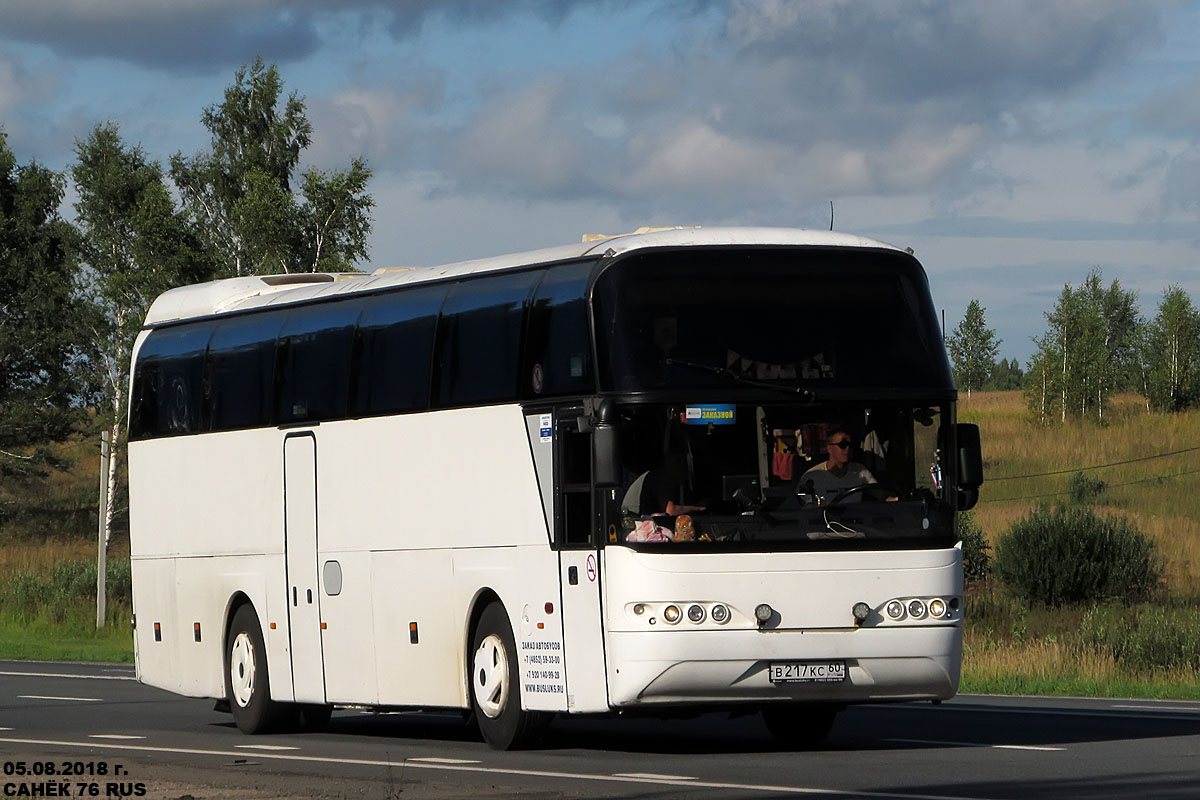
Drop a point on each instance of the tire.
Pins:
(800, 726)
(496, 683)
(247, 682)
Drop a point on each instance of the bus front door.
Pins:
(579, 570)
(300, 544)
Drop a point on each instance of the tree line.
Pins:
(73, 294)
(1096, 343)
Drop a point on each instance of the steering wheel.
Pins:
(889, 491)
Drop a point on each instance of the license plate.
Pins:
(807, 671)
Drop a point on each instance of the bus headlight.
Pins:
(895, 609)
(719, 613)
(696, 613)
(671, 614)
(916, 608)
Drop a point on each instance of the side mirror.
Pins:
(606, 461)
(970, 464)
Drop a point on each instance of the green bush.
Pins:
(1085, 489)
(1154, 638)
(1068, 555)
(976, 561)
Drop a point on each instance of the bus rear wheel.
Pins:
(495, 683)
(800, 726)
(246, 678)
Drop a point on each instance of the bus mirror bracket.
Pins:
(606, 456)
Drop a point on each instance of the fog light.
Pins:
(719, 613)
(916, 608)
(639, 609)
(763, 612)
(860, 611)
(895, 609)
(671, 614)
(696, 613)
(937, 608)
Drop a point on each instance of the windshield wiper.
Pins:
(726, 372)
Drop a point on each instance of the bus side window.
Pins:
(479, 339)
(313, 360)
(239, 379)
(558, 350)
(394, 351)
(167, 382)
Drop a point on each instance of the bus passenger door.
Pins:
(300, 545)
(579, 568)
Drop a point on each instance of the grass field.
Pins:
(1015, 648)
(1148, 649)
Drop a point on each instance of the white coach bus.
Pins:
(575, 480)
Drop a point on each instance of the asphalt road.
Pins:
(92, 719)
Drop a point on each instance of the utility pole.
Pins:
(101, 550)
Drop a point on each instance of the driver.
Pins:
(839, 473)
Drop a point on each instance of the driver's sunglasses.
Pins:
(844, 445)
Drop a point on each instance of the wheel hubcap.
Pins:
(491, 677)
(241, 669)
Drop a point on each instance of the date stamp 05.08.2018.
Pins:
(45, 778)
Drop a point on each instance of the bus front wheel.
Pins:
(495, 683)
(246, 681)
(800, 725)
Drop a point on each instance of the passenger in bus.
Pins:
(656, 491)
(839, 473)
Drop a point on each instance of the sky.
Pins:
(1014, 145)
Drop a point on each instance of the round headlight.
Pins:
(916, 608)
(696, 613)
(895, 609)
(639, 608)
(671, 614)
(937, 608)
(763, 612)
(719, 613)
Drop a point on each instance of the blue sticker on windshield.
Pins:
(721, 414)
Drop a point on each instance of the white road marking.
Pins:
(5, 729)
(525, 773)
(69, 675)
(434, 760)
(113, 736)
(53, 697)
(1192, 709)
(979, 744)
(265, 747)
(1106, 711)
(653, 775)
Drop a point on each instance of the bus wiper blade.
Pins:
(726, 372)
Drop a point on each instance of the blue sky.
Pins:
(1013, 145)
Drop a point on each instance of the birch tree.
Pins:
(243, 191)
(973, 347)
(1172, 353)
(135, 246)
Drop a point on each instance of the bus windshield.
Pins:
(784, 477)
(802, 317)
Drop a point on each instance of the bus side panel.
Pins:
(204, 587)
(412, 587)
(154, 603)
(525, 579)
(348, 639)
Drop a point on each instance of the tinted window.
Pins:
(797, 316)
(167, 383)
(395, 349)
(479, 339)
(314, 361)
(241, 358)
(558, 351)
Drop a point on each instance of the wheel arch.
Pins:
(483, 598)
